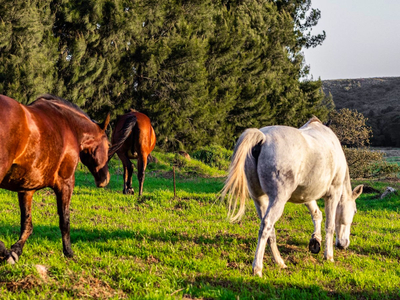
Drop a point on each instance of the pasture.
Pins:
(161, 247)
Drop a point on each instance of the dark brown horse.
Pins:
(133, 138)
(40, 147)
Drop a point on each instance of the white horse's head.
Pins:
(344, 217)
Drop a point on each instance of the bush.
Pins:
(214, 156)
(350, 127)
(352, 131)
(365, 163)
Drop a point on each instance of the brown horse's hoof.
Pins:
(68, 253)
(12, 258)
(314, 246)
(129, 191)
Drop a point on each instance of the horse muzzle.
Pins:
(103, 183)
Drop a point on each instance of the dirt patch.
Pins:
(91, 287)
(27, 283)
(82, 286)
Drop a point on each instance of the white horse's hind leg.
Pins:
(274, 250)
(261, 204)
(316, 238)
(267, 233)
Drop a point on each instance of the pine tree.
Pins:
(28, 49)
(260, 43)
(202, 70)
(167, 63)
(92, 44)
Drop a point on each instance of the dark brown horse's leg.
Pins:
(63, 194)
(128, 171)
(25, 205)
(142, 163)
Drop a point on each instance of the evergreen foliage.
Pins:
(202, 70)
(28, 49)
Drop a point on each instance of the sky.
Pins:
(362, 39)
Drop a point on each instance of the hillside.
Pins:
(377, 98)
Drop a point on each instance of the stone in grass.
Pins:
(389, 190)
(42, 270)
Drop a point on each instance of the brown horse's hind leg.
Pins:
(63, 194)
(128, 171)
(25, 205)
(142, 163)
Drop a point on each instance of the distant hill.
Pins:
(378, 99)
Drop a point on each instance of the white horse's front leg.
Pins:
(316, 238)
(331, 204)
(267, 233)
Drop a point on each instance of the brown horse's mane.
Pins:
(52, 98)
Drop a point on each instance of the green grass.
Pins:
(394, 159)
(159, 247)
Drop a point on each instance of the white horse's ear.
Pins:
(357, 191)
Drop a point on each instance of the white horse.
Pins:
(277, 164)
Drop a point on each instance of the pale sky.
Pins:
(362, 39)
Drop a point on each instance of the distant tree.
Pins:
(352, 131)
(350, 127)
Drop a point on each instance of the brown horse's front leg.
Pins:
(3, 251)
(25, 205)
(128, 171)
(63, 194)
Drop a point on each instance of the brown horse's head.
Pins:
(94, 154)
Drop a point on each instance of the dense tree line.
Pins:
(202, 70)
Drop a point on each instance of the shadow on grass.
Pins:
(255, 288)
(102, 236)
(203, 285)
(52, 233)
(152, 183)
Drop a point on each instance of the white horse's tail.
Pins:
(236, 183)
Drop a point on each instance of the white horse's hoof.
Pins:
(283, 266)
(315, 245)
(257, 272)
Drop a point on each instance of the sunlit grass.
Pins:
(161, 247)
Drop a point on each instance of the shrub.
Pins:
(352, 131)
(365, 163)
(214, 156)
(350, 127)
(180, 161)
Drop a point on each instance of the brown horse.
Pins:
(133, 138)
(40, 147)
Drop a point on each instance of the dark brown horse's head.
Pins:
(94, 154)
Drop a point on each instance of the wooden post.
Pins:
(173, 170)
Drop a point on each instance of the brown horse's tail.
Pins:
(122, 134)
(236, 183)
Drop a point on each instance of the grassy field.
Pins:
(161, 247)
